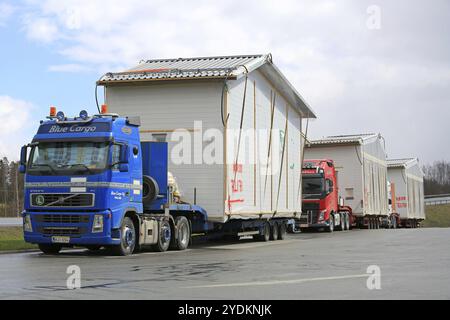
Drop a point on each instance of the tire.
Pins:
(394, 223)
(127, 238)
(164, 237)
(342, 222)
(347, 221)
(51, 249)
(93, 248)
(274, 232)
(182, 235)
(330, 228)
(282, 231)
(266, 233)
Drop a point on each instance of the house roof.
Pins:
(400, 163)
(344, 139)
(222, 67)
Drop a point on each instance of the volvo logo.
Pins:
(40, 200)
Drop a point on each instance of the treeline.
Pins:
(11, 188)
(437, 178)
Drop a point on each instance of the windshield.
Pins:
(60, 157)
(312, 185)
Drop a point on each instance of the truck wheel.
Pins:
(183, 234)
(50, 248)
(394, 223)
(164, 237)
(341, 224)
(266, 233)
(282, 231)
(274, 232)
(347, 221)
(127, 238)
(330, 228)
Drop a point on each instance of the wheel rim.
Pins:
(165, 234)
(184, 234)
(128, 236)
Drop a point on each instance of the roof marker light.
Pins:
(52, 111)
(83, 114)
(60, 116)
(104, 109)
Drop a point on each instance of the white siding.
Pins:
(169, 106)
(409, 191)
(260, 193)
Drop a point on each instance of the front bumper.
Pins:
(75, 225)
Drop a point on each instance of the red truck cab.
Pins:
(320, 204)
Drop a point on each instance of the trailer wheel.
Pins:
(127, 238)
(282, 231)
(50, 248)
(180, 240)
(274, 232)
(330, 228)
(164, 237)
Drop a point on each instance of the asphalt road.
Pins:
(414, 264)
(10, 222)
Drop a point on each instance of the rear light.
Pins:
(104, 109)
(52, 111)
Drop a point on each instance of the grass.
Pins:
(437, 216)
(11, 238)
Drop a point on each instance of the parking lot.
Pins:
(413, 264)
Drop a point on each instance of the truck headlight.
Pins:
(27, 227)
(97, 225)
(322, 215)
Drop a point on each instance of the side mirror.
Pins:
(23, 159)
(123, 167)
(123, 158)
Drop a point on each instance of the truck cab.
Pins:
(320, 200)
(90, 182)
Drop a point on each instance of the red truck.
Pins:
(322, 207)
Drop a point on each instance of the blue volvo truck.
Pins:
(91, 182)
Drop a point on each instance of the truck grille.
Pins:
(310, 213)
(62, 218)
(62, 200)
(56, 231)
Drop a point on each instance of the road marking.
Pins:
(277, 282)
(250, 245)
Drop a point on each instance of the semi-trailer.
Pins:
(103, 180)
(361, 175)
(408, 198)
(323, 208)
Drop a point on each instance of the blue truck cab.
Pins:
(91, 182)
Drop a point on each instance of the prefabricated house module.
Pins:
(206, 109)
(361, 169)
(407, 178)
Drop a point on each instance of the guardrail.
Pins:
(437, 201)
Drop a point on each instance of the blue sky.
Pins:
(392, 78)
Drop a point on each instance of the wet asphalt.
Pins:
(412, 264)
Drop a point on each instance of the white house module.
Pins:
(360, 162)
(407, 177)
(217, 96)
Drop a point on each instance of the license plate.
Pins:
(304, 226)
(56, 239)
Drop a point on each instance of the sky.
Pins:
(363, 66)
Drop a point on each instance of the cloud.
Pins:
(16, 127)
(356, 79)
(6, 11)
(41, 29)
